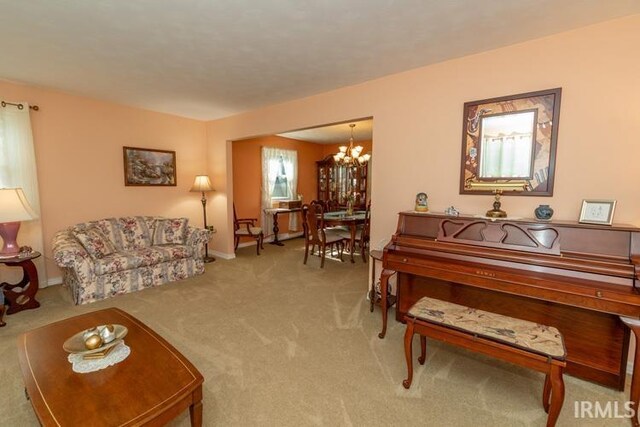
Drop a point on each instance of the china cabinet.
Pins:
(337, 182)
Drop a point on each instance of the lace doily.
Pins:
(83, 366)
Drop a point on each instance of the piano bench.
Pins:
(517, 341)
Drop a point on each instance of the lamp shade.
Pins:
(14, 206)
(202, 184)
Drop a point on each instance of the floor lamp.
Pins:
(202, 184)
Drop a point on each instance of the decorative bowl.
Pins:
(76, 344)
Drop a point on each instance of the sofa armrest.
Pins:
(196, 238)
(69, 253)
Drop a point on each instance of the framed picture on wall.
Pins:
(597, 211)
(509, 143)
(148, 167)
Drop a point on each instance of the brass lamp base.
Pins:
(496, 212)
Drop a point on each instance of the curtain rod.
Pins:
(20, 106)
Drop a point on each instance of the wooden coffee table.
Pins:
(150, 387)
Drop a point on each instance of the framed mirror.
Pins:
(509, 144)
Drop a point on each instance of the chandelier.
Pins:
(351, 156)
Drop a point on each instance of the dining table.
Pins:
(342, 218)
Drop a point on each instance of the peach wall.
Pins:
(78, 143)
(247, 173)
(418, 114)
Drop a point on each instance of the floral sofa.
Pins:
(113, 256)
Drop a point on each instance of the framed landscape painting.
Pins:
(147, 167)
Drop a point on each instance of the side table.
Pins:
(22, 295)
(379, 293)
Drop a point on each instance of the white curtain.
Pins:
(273, 161)
(18, 169)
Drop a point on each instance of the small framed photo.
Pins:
(147, 167)
(597, 212)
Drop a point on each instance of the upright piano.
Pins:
(579, 278)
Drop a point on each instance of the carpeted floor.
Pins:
(281, 343)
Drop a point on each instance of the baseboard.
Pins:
(54, 281)
(281, 237)
(222, 255)
(247, 244)
(286, 236)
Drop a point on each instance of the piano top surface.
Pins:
(553, 222)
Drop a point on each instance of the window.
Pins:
(279, 181)
(280, 170)
(281, 189)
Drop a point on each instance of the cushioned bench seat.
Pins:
(530, 336)
(518, 341)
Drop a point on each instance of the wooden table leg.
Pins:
(352, 230)
(26, 297)
(384, 301)
(275, 231)
(634, 395)
(195, 410)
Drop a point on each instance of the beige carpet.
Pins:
(281, 343)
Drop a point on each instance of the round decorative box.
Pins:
(544, 212)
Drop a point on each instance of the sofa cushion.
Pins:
(143, 257)
(127, 233)
(168, 231)
(94, 242)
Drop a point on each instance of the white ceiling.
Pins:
(212, 58)
(334, 134)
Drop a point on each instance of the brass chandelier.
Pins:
(350, 155)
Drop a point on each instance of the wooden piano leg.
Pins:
(384, 301)
(634, 395)
(408, 353)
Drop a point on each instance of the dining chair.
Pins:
(316, 235)
(246, 227)
(332, 205)
(362, 234)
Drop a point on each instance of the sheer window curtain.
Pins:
(271, 168)
(18, 169)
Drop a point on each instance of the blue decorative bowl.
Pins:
(544, 212)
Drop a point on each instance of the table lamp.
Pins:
(14, 208)
(498, 188)
(202, 184)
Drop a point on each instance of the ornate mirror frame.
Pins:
(543, 136)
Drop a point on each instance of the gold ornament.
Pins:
(93, 342)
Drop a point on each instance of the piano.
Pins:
(579, 278)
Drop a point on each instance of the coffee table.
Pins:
(150, 387)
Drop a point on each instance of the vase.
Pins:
(544, 212)
(349, 207)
